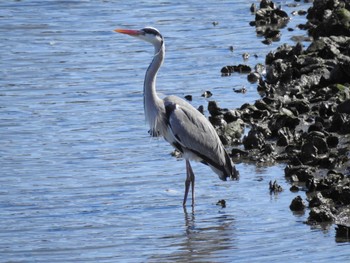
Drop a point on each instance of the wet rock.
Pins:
(268, 149)
(262, 105)
(282, 120)
(317, 126)
(285, 137)
(294, 188)
(232, 132)
(232, 115)
(297, 204)
(311, 185)
(228, 70)
(214, 109)
(285, 51)
(317, 200)
(338, 121)
(207, 94)
(221, 203)
(253, 8)
(188, 97)
(300, 106)
(254, 140)
(320, 214)
(241, 90)
(253, 77)
(332, 141)
(320, 144)
(201, 109)
(340, 194)
(236, 152)
(326, 109)
(267, 4)
(275, 187)
(245, 56)
(304, 173)
(268, 19)
(329, 18)
(308, 153)
(344, 107)
(217, 121)
(342, 233)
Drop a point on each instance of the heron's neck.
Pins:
(152, 102)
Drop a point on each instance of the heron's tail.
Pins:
(229, 170)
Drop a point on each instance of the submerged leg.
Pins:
(189, 181)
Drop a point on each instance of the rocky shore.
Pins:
(303, 116)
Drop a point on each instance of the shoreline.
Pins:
(303, 116)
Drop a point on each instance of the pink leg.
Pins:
(189, 181)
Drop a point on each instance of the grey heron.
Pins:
(183, 126)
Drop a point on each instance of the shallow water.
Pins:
(81, 181)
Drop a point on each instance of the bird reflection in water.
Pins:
(206, 237)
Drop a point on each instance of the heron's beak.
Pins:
(128, 32)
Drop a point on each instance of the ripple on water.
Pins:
(80, 178)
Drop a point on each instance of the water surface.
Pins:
(81, 181)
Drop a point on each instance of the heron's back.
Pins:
(191, 133)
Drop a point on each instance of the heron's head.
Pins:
(149, 34)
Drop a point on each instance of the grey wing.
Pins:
(190, 130)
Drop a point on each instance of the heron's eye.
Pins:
(151, 31)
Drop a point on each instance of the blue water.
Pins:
(81, 180)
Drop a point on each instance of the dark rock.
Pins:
(344, 107)
(214, 109)
(281, 120)
(201, 109)
(308, 152)
(285, 137)
(326, 110)
(342, 233)
(317, 200)
(232, 131)
(207, 94)
(297, 204)
(245, 56)
(317, 126)
(253, 8)
(239, 152)
(228, 70)
(340, 194)
(337, 122)
(275, 187)
(253, 77)
(332, 141)
(294, 188)
(294, 178)
(255, 139)
(320, 144)
(221, 203)
(267, 4)
(241, 90)
(268, 20)
(329, 18)
(320, 214)
(188, 97)
(301, 106)
(217, 120)
(303, 172)
(231, 115)
(268, 149)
